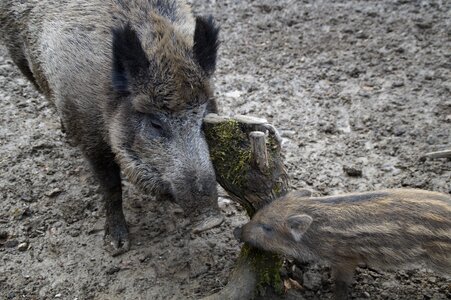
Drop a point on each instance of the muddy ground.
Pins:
(350, 84)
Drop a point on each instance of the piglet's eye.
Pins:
(266, 227)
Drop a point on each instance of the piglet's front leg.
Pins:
(343, 276)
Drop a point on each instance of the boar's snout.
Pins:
(196, 193)
(237, 233)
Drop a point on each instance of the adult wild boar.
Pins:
(131, 83)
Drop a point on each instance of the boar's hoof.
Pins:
(117, 238)
(208, 223)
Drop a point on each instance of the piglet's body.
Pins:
(388, 229)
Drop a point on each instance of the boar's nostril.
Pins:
(237, 234)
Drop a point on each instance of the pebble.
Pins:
(23, 247)
(397, 83)
(145, 256)
(312, 280)
(389, 284)
(352, 171)
(74, 232)
(3, 235)
(432, 279)
(399, 130)
(112, 270)
(52, 193)
(11, 243)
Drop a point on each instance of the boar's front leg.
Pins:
(109, 177)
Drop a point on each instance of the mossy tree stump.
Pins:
(246, 155)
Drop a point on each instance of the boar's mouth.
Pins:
(203, 221)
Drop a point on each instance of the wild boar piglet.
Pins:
(389, 229)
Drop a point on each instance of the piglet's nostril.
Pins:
(237, 234)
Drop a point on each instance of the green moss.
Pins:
(267, 267)
(230, 157)
(278, 188)
(230, 152)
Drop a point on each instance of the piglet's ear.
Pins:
(129, 58)
(206, 43)
(298, 225)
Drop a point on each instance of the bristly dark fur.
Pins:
(132, 97)
(129, 58)
(354, 198)
(206, 43)
(167, 9)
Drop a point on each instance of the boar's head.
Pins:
(161, 92)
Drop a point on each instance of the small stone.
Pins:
(424, 25)
(387, 167)
(145, 256)
(177, 211)
(26, 198)
(432, 140)
(112, 270)
(11, 243)
(361, 35)
(398, 83)
(58, 296)
(432, 279)
(3, 235)
(352, 171)
(211, 244)
(52, 193)
(389, 284)
(287, 133)
(23, 247)
(297, 273)
(291, 284)
(74, 232)
(399, 130)
(366, 295)
(312, 280)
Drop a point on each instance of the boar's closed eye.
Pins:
(154, 126)
(156, 123)
(266, 227)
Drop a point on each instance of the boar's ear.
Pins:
(206, 43)
(129, 58)
(298, 225)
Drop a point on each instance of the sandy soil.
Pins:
(350, 84)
